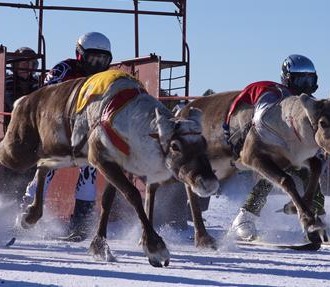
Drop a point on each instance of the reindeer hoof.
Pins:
(156, 263)
(100, 250)
(167, 262)
(206, 241)
(314, 237)
(316, 232)
(325, 236)
(156, 251)
(318, 225)
(21, 221)
(289, 208)
(160, 258)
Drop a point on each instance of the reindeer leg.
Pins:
(310, 185)
(313, 188)
(99, 247)
(149, 202)
(202, 238)
(272, 172)
(315, 173)
(34, 211)
(153, 245)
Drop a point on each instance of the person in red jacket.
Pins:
(93, 55)
(298, 76)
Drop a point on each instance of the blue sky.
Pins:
(232, 43)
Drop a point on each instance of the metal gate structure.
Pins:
(149, 70)
(179, 12)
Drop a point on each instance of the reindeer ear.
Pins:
(312, 107)
(165, 129)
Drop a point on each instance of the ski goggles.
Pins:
(94, 59)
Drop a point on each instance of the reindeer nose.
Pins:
(207, 187)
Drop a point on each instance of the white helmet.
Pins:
(93, 50)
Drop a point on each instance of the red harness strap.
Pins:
(251, 94)
(112, 108)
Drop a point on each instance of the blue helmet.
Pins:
(299, 74)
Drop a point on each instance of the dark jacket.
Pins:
(17, 87)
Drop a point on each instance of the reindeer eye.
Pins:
(175, 146)
(323, 123)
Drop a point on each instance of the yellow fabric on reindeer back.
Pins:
(97, 85)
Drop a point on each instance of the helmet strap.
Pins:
(79, 52)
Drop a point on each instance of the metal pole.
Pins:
(327, 192)
(136, 27)
(41, 43)
(185, 47)
(184, 30)
(84, 9)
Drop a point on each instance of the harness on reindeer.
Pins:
(262, 96)
(93, 87)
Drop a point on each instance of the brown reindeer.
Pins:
(110, 121)
(290, 134)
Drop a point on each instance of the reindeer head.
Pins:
(318, 113)
(184, 149)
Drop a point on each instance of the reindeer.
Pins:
(291, 133)
(111, 122)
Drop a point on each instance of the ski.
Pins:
(311, 246)
(10, 242)
(69, 238)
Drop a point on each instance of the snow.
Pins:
(35, 260)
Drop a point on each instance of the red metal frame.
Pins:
(2, 85)
(146, 69)
(179, 12)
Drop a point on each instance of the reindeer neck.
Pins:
(298, 123)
